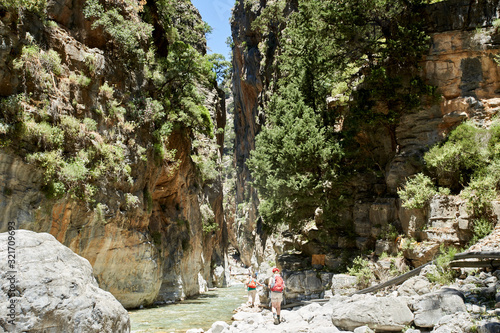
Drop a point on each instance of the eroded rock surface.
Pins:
(53, 289)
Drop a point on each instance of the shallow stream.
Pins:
(199, 312)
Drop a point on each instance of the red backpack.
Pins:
(252, 284)
(277, 286)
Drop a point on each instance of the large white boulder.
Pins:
(49, 288)
(379, 313)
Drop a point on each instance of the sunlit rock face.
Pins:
(460, 63)
(150, 249)
(53, 289)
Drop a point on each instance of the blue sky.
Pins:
(216, 14)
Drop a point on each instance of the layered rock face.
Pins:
(460, 63)
(49, 288)
(144, 235)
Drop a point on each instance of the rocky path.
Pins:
(416, 306)
(470, 304)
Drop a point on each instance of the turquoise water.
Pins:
(199, 312)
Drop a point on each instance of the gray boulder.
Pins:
(489, 328)
(379, 313)
(417, 285)
(343, 284)
(49, 289)
(303, 285)
(430, 308)
(219, 277)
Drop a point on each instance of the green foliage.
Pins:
(207, 164)
(131, 201)
(481, 228)
(80, 79)
(35, 6)
(389, 232)
(294, 163)
(176, 76)
(91, 62)
(327, 43)
(90, 124)
(39, 65)
(150, 111)
(71, 127)
(221, 67)
(47, 136)
(361, 269)
(348, 49)
(99, 211)
(479, 193)
(54, 190)
(82, 152)
(52, 145)
(465, 151)
(159, 152)
(444, 275)
(73, 171)
(106, 90)
(208, 219)
(468, 162)
(131, 37)
(417, 191)
(496, 23)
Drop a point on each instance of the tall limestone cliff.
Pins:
(460, 63)
(94, 150)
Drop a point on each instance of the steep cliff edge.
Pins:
(459, 63)
(98, 148)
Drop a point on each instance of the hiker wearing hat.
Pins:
(277, 285)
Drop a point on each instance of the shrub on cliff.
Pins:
(36, 6)
(464, 152)
(467, 163)
(418, 190)
(85, 134)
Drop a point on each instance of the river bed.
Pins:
(199, 312)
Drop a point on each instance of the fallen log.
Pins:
(477, 255)
(495, 264)
(394, 281)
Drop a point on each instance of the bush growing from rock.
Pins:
(362, 271)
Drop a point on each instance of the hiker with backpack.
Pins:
(252, 283)
(277, 286)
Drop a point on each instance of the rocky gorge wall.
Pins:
(460, 63)
(144, 236)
